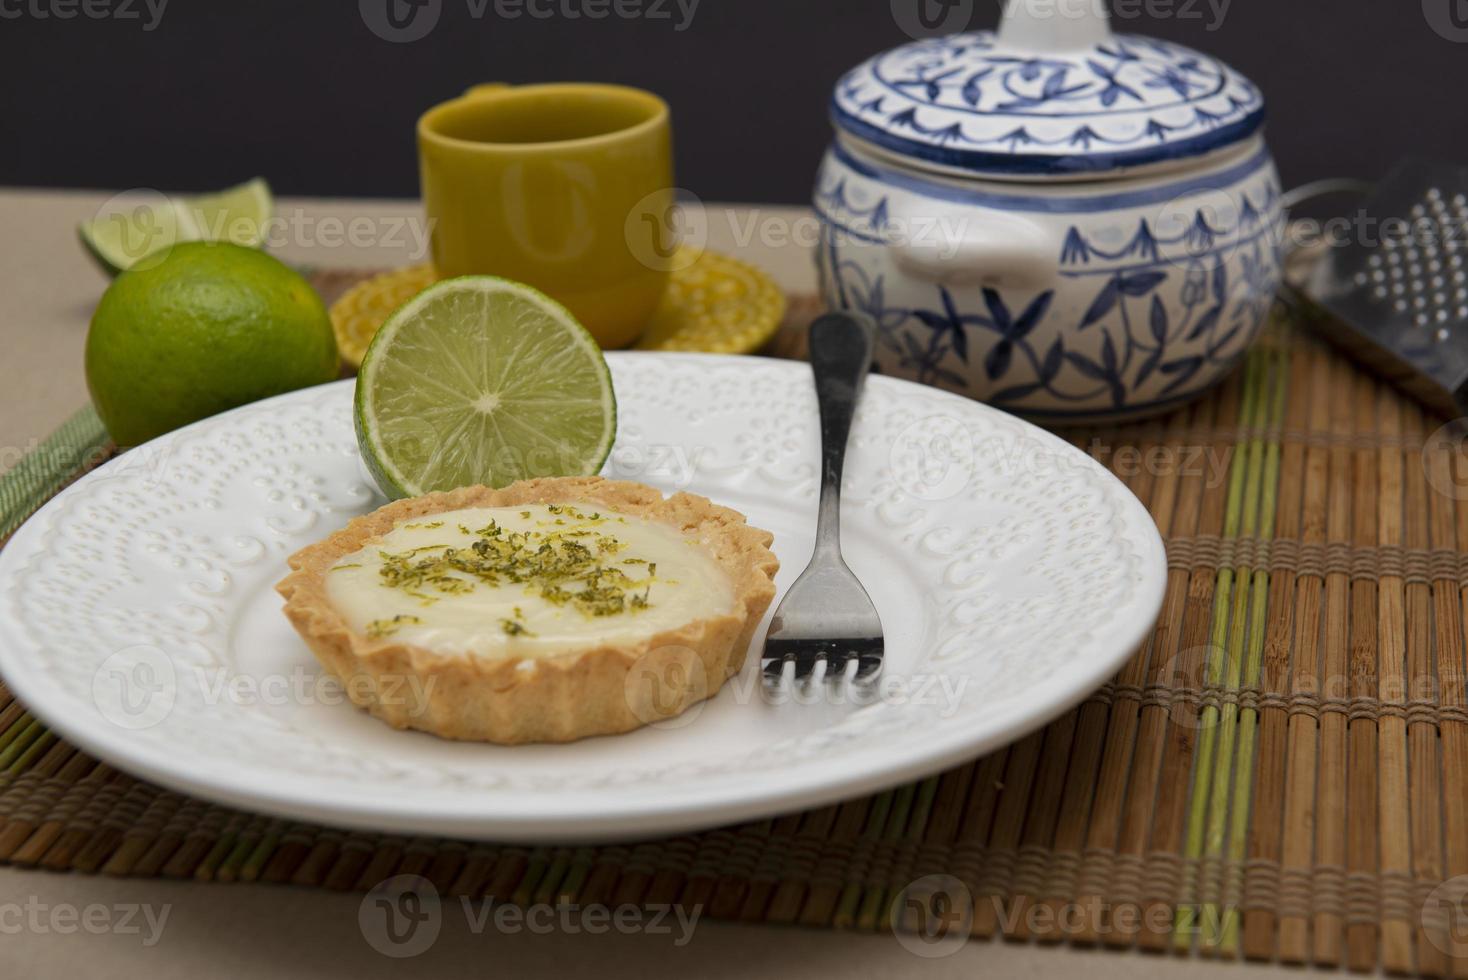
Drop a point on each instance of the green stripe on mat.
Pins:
(1189, 913)
(1230, 643)
(43, 471)
(1228, 813)
(1245, 766)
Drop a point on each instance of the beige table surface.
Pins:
(48, 288)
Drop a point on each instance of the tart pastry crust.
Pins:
(601, 688)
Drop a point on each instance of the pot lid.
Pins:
(1046, 96)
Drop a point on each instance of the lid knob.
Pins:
(1054, 26)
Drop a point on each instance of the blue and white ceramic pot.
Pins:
(1063, 222)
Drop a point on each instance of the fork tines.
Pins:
(858, 659)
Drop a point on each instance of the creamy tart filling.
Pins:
(528, 580)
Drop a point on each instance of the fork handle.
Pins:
(841, 346)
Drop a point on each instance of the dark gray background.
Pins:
(303, 93)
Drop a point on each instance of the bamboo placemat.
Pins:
(1280, 773)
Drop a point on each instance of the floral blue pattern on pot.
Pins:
(967, 101)
(1156, 292)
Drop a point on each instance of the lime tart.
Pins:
(546, 611)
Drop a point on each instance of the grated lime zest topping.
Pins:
(569, 567)
(387, 627)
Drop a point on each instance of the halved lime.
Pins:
(482, 380)
(135, 225)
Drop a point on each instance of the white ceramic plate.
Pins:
(1013, 576)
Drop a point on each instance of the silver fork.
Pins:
(827, 618)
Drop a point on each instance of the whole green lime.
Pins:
(212, 326)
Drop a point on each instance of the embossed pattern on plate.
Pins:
(1013, 575)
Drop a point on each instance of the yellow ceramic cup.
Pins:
(567, 187)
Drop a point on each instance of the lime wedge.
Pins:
(129, 231)
(482, 380)
(133, 226)
(237, 215)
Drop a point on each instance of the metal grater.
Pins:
(1392, 290)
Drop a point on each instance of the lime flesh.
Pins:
(480, 380)
(237, 215)
(134, 230)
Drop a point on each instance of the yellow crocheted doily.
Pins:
(713, 303)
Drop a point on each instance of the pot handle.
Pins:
(995, 249)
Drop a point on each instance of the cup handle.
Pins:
(996, 249)
(485, 89)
